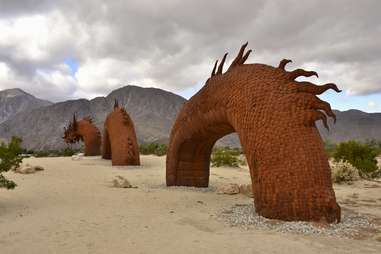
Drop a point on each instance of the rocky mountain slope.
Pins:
(353, 125)
(153, 112)
(13, 101)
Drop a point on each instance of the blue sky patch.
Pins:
(73, 65)
(342, 101)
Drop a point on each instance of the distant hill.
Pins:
(153, 112)
(13, 101)
(353, 124)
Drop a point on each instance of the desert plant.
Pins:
(66, 152)
(361, 156)
(343, 172)
(9, 160)
(153, 148)
(376, 144)
(225, 157)
(41, 154)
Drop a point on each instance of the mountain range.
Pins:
(13, 101)
(40, 123)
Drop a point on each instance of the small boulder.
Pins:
(77, 157)
(229, 189)
(121, 182)
(25, 169)
(246, 189)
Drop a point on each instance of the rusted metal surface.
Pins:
(119, 138)
(86, 131)
(274, 116)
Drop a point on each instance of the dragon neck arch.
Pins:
(274, 116)
(119, 138)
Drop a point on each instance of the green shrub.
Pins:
(66, 152)
(376, 144)
(343, 172)
(153, 148)
(361, 156)
(225, 157)
(41, 154)
(9, 160)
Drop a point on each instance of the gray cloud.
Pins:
(173, 44)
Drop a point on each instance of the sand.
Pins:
(70, 207)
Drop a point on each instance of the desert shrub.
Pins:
(41, 154)
(9, 160)
(374, 174)
(343, 172)
(225, 157)
(376, 144)
(153, 148)
(66, 152)
(361, 156)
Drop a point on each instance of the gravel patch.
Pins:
(352, 225)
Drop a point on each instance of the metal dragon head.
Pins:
(71, 134)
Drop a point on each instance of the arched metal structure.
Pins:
(274, 116)
(119, 138)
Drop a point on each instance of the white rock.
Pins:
(121, 182)
(26, 169)
(76, 157)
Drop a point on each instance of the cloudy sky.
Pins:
(66, 49)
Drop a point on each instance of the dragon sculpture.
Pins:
(119, 138)
(274, 116)
(86, 131)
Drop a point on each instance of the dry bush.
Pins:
(343, 172)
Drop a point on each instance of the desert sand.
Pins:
(71, 207)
